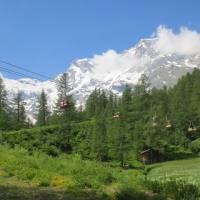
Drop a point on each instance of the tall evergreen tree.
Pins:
(92, 103)
(100, 144)
(4, 112)
(124, 127)
(96, 103)
(64, 113)
(43, 112)
(2, 95)
(20, 113)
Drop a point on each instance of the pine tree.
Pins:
(63, 86)
(124, 129)
(4, 112)
(2, 95)
(68, 112)
(91, 104)
(100, 145)
(20, 113)
(43, 112)
(97, 103)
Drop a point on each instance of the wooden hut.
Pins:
(149, 156)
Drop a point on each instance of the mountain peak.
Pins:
(110, 71)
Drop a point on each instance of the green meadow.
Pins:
(25, 176)
(39, 176)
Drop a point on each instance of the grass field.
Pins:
(41, 177)
(179, 180)
(68, 177)
(182, 169)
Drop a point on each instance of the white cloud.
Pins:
(114, 63)
(186, 42)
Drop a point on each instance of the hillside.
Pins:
(99, 150)
(64, 177)
(185, 169)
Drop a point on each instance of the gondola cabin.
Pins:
(116, 115)
(154, 124)
(192, 128)
(149, 156)
(64, 104)
(168, 124)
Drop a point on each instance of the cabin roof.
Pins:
(145, 151)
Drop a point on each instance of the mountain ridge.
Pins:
(110, 71)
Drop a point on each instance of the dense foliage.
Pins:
(66, 177)
(91, 148)
(112, 127)
(162, 119)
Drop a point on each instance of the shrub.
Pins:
(53, 140)
(63, 171)
(51, 150)
(130, 194)
(195, 146)
(62, 181)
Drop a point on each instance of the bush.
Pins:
(66, 171)
(51, 150)
(172, 152)
(130, 194)
(46, 139)
(53, 140)
(63, 181)
(195, 146)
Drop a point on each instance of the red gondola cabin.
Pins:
(64, 104)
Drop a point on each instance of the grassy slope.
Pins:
(185, 169)
(38, 176)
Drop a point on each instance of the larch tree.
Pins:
(65, 107)
(4, 114)
(43, 111)
(2, 95)
(20, 113)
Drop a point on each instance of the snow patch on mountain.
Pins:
(31, 89)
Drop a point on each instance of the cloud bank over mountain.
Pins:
(115, 63)
(185, 42)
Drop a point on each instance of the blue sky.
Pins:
(46, 35)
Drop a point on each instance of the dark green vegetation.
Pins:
(95, 153)
(65, 177)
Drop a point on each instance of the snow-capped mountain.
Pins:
(111, 71)
(30, 89)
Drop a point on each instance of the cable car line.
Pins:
(63, 104)
(17, 73)
(25, 75)
(24, 69)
